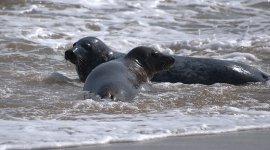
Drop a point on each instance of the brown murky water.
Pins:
(41, 99)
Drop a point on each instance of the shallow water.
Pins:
(42, 103)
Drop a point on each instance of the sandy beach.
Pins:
(242, 140)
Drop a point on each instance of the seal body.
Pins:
(112, 80)
(120, 79)
(190, 70)
(89, 52)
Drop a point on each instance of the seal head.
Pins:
(152, 61)
(86, 54)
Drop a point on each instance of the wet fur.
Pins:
(121, 78)
(188, 70)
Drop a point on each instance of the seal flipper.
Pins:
(107, 95)
(110, 92)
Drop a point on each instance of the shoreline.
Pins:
(240, 140)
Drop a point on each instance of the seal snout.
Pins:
(166, 62)
(265, 76)
(170, 60)
(71, 56)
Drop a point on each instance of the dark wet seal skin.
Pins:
(120, 79)
(89, 52)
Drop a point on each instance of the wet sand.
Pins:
(242, 140)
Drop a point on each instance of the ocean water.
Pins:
(41, 101)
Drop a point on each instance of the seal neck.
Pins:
(138, 69)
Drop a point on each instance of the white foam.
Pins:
(32, 8)
(101, 128)
(52, 112)
(38, 32)
(90, 4)
(237, 56)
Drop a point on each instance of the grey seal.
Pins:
(89, 52)
(120, 79)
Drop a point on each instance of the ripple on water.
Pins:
(42, 99)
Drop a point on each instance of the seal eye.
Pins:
(88, 44)
(74, 44)
(155, 54)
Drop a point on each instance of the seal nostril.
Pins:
(169, 59)
(69, 55)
